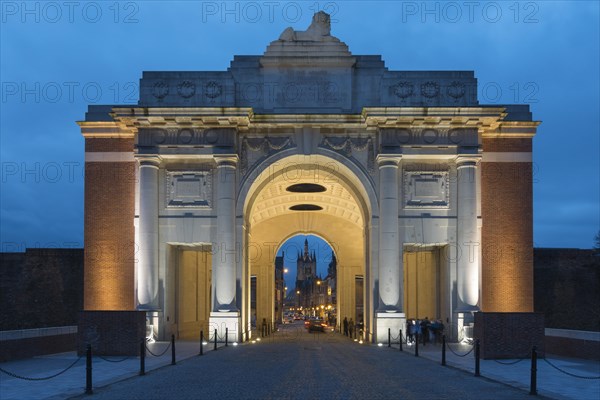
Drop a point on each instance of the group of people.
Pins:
(424, 329)
(350, 327)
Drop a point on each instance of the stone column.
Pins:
(224, 275)
(390, 266)
(391, 275)
(147, 278)
(467, 236)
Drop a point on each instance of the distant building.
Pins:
(313, 293)
(279, 287)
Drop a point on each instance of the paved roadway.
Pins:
(295, 364)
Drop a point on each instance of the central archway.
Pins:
(291, 194)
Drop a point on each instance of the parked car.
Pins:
(316, 325)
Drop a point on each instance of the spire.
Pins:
(305, 247)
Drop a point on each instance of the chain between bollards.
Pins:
(173, 361)
(88, 370)
(416, 345)
(400, 339)
(533, 382)
(477, 372)
(201, 342)
(143, 357)
(444, 350)
(215, 339)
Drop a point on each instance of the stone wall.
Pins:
(578, 344)
(567, 283)
(40, 288)
(27, 343)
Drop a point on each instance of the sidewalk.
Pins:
(72, 382)
(550, 382)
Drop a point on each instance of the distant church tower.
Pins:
(306, 265)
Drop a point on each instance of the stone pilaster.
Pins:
(390, 264)
(224, 262)
(390, 313)
(468, 241)
(147, 276)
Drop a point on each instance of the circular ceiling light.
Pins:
(306, 207)
(306, 188)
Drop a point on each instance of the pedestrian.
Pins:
(360, 326)
(351, 327)
(345, 326)
(425, 330)
(410, 330)
(417, 330)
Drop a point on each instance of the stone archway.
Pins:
(341, 215)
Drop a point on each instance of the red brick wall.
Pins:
(108, 230)
(507, 229)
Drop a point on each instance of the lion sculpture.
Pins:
(318, 31)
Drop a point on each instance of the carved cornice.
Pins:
(191, 117)
(488, 120)
(512, 129)
(106, 130)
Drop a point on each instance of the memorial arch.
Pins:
(426, 192)
(308, 194)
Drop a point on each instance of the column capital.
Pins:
(149, 160)
(467, 161)
(226, 160)
(388, 160)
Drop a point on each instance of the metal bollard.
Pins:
(416, 345)
(215, 339)
(477, 357)
(533, 383)
(444, 350)
(400, 340)
(173, 362)
(226, 336)
(143, 358)
(389, 337)
(201, 342)
(88, 370)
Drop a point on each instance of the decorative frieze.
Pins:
(189, 189)
(429, 189)
(345, 145)
(263, 146)
(186, 136)
(394, 137)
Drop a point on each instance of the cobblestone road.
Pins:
(296, 364)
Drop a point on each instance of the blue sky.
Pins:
(55, 59)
